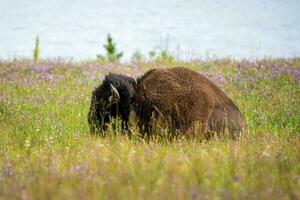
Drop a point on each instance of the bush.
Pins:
(36, 52)
(112, 55)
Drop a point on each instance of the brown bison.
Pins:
(189, 100)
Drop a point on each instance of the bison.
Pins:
(109, 100)
(188, 100)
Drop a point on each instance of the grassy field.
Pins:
(46, 151)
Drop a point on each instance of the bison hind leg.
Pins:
(226, 123)
(198, 127)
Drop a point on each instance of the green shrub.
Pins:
(112, 55)
(137, 57)
(36, 52)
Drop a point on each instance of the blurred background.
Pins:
(186, 29)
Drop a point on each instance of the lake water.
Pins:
(188, 29)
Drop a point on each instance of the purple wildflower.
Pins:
(46, 68)
(45, 76)
(13, 77)
(294, 72)
(8, 170)
(246, 64)
(80, 170)
(217, 78)
(56, 61)
(278, 71)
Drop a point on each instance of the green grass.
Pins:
(47, 152)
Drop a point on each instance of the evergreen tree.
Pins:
(112, 55)
(36, 53)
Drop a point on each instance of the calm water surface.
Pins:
(188, 29)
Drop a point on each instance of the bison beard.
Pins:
(193, 104)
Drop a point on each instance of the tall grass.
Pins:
(47, 152)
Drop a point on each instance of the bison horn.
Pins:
(135, 81)
(115, 91)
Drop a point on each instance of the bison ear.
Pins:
(115, 93)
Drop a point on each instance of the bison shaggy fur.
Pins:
(189, 100)
(105, 105)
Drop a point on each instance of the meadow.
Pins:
(47, 152)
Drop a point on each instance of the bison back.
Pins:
(187, 97)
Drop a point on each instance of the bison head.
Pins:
(111, 99)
